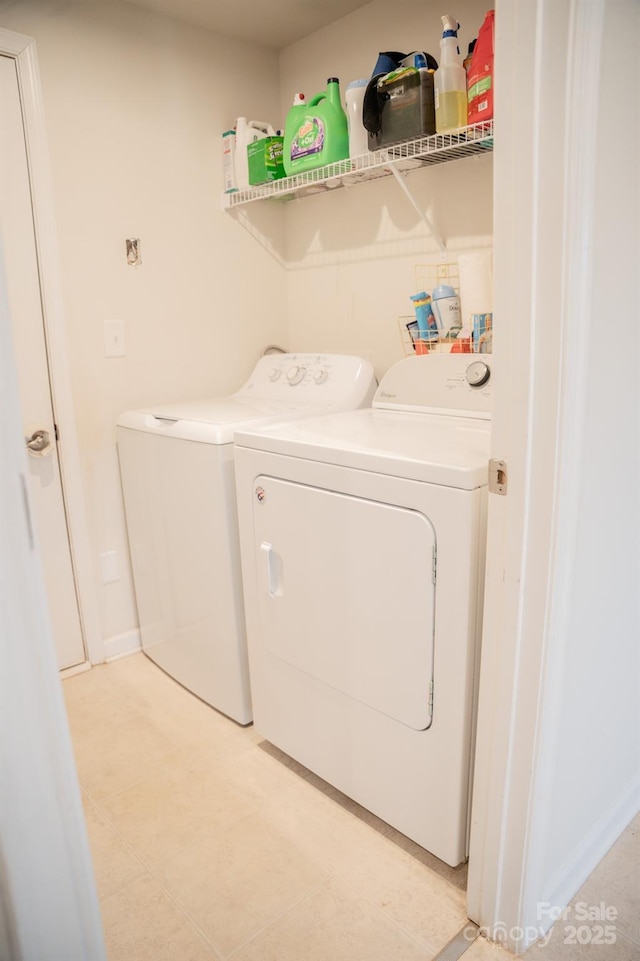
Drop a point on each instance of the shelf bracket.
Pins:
(403, 185)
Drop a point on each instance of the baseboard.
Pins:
(121, 645)
(568, 880)
(76, 669)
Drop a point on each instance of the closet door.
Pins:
(25, 307)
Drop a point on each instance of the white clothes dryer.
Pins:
(363, 539)
(176, 464)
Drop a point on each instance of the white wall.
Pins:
(352, 254)
(135, 104)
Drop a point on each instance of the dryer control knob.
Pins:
(295, 375)
(320, 376)
(478, 373)
(274, 374)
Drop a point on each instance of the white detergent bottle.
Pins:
(450, 81)
(246, 132)
(358, 134)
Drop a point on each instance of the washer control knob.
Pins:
(274, 374)
(320, 376)
(295, 375)
(478, 373)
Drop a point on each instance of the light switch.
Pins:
(114, 345)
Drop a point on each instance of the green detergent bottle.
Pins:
(316, 133)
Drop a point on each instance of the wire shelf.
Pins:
(410, 155)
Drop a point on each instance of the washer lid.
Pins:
(211, 421)
(434, 448)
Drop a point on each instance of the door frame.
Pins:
(545, 223)
(22, 49)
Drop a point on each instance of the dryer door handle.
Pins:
(272, 569)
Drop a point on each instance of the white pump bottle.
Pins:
(450, 81)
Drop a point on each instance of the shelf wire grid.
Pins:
(427, 278)
(406, 156)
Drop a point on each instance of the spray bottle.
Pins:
(450, 81)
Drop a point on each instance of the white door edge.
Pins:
(23, 50)
(50, 904)
(526, 598)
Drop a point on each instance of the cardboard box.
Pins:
(265, 160)
(482, 333)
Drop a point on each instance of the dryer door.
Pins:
(347, 595)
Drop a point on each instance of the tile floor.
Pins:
(208, 843)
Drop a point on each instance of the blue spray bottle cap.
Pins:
(450, 26)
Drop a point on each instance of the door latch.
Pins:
(497, 476)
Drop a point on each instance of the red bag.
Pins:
(480, 77)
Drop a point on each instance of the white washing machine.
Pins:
(176, 465)
(363, 540)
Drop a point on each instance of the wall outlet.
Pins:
(114, 345)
